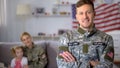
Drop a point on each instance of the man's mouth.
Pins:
(86, 21)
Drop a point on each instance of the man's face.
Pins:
(85, 15)
(27, 40)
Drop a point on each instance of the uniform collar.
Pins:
(81, 31)
(33, 45)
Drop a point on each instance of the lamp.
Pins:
(23, 9)
(23, 12)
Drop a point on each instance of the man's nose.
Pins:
(85, 15)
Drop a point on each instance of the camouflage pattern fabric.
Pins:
(86, 46)
(36, 56)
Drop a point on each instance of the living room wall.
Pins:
(49, 25)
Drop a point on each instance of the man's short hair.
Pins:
(82, 2)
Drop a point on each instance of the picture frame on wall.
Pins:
(40, 10)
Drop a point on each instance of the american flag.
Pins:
(107, 17)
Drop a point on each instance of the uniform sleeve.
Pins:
(42, 57)
(62, 64)
(107, 56)
(60, 61)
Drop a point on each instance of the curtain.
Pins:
(3, 26)
(2, 12)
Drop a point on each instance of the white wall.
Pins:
(34, 25)
(48, 25)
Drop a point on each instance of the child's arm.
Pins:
(25, 66)
(25, 62)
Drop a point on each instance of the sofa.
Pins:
(51, 48)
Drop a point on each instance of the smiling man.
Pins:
(86, 47)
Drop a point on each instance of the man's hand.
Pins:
(67, 56)
(94, 63)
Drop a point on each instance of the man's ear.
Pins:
(76, 16)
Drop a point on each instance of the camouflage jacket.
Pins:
(86, 46)
(36, 56)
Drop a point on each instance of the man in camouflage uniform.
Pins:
(36, 54)
(86, 47)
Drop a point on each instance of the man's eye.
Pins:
(80, 13)
(23, 39)
(89, 12)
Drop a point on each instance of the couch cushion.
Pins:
(5, 53)
(52, 50)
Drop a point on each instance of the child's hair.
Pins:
(15, 48)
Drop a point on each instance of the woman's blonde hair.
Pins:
(13, 49)
(23, 34)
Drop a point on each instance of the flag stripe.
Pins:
(104, 7)
(104, 12)
(100, 7)
(74, 26)
(75, 22)
(108, 21)
(107, 17)
(113, 24)
(110, 29)
(118, 28)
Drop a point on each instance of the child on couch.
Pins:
(19, 61)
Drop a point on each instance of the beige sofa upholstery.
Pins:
(51, 48)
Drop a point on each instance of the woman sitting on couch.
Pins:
(35, 54)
